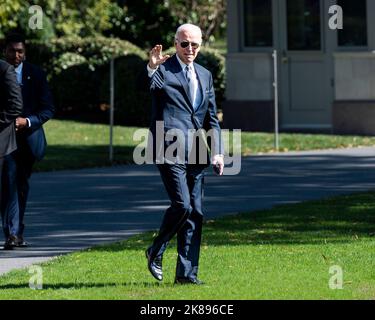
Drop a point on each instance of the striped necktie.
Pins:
(192, 83)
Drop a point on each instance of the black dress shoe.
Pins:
(155, 266)
(195, 281)
(21, 243)
(10, 243)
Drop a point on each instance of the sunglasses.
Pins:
(185, 44)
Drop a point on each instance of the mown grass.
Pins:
(282, 253)
(73, 145)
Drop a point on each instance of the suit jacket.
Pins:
(172, 104)
(37, 106)
(10, 107)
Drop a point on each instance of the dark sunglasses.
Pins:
(185, 44)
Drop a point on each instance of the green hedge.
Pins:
(78, 72)
(96, 51)
(212, 60)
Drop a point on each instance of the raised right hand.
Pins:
(156, 57)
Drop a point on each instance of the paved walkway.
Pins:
(72, 210)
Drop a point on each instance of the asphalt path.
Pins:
(73, 210)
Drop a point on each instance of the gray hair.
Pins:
(187, 26)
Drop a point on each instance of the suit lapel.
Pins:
(26, 77)
(179, 73)
(201, 85)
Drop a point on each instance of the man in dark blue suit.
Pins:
(183, 101)
(37, 109)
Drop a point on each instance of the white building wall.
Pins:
(249, 77)
(354, 76)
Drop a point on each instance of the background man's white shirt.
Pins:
(19, 70)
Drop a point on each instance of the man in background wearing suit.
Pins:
(183, 98)
(37, 109)
(10, 109)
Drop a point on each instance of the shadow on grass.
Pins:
(60, 157)
(337, 220)
(88, 285)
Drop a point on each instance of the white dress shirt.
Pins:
(19, 70)
(19, 73)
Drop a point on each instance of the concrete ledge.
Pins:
(353, 117)
(248, 115)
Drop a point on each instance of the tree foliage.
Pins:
(208, 14)
(8, 9)
(79, 17)
(60, 17)
(143, 22)
(146, 22)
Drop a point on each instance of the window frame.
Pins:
(244, 47)
(321, 26)
(368, 35)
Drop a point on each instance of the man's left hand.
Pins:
(21, 123)
(218, 164)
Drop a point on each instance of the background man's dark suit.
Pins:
(10, 109)
(38, 108)
(172, 103)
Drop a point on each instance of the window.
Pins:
(304, 24)
(258, 23)
(354, 33)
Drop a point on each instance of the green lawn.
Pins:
(283, 253)
(74, 145)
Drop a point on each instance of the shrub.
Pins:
(78, 71)
(96, 50)
(212, 60)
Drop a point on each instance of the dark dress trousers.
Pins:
(183, 181)
(10, 109)
(38, 108)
